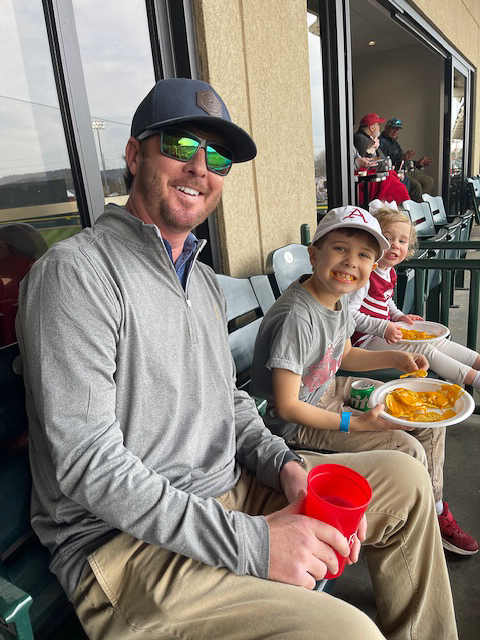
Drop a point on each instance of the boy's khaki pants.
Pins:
(427, 445)
(132, 590)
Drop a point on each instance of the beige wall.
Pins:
(254, 52)
(256, 57)
(459, 22)
(406, 83)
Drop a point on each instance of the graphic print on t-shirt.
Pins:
(319, 373)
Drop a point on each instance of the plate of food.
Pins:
(422, 331)
(423, 403)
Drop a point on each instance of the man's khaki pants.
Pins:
(427, 445)
(132, 590)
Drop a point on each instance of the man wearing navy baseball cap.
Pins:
(169, 509)
(184, 121)
(416, 182)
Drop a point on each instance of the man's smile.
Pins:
(189, 191)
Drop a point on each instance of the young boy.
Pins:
(305, 336)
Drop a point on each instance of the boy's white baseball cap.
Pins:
(353, 217)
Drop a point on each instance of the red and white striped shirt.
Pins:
(378, 301)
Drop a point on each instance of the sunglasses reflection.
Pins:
(183, 145)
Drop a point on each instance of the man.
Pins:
(419, 182)
(168, 508)
(366, 139)
(366, 146)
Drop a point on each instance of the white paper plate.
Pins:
(463, 407)
(440, 330)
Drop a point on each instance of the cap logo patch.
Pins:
(355, 213)
(209, 102)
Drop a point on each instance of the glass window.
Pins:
(37, 199)
(318, 122)
(118, 69)
(458, 112)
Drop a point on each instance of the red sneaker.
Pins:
(453, 538)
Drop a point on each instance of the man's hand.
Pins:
(362, 163)
(408, 362)
(359, 538)
(409, 318)
(425, 161)
(409, 154)
(301, 548)
(293, 479)
(373, 147)
(366, 163)
(393, 333)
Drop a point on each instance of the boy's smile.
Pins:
(343, 277)
(342, 264)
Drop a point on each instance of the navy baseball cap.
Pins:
(395, 122)
(176, 100)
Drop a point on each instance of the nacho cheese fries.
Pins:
(413, 334)
(419, 373)
(416, 406)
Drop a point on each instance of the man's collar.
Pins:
(189, 246)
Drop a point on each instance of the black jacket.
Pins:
(391, 148)
(362, 142)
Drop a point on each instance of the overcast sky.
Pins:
(117, 64)
(316, 87)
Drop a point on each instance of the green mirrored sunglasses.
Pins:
(183, 145)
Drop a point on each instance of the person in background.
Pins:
(366, 140)
(167, 506)
(20, 245)
(363, 163)
(416, 181)
(388, 188)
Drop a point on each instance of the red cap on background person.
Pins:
(371, 118)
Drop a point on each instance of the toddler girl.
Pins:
(376, 315)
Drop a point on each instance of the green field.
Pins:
(53, 228)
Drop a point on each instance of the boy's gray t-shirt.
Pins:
(301, 335)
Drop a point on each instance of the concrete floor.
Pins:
(462, 492)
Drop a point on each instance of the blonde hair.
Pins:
(386, 216)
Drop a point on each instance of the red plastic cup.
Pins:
(338, 496)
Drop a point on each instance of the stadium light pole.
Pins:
(99, 125)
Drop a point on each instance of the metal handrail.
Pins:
(449, 244)
(448, 267)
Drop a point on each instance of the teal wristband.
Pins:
(345, 421)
